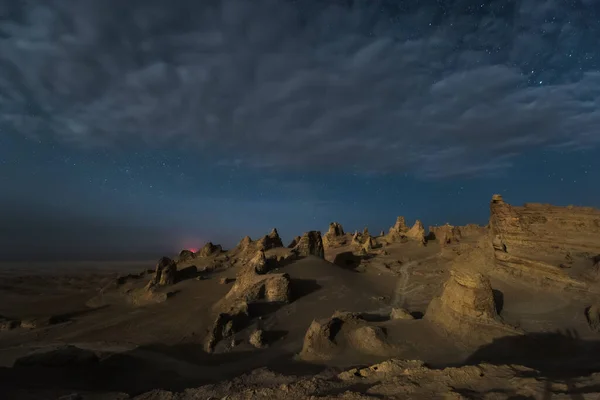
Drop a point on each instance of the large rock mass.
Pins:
(446, 234)
(399, 229)
(166, 272)
(310, 243)
(467, 308)
(417, 232)
(534, 240)
(335, 236)
(270, 241)
(210, 249)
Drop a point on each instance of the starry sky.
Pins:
(137, 128)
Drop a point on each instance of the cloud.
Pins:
(288, 85)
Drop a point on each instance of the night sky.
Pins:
(136, 128)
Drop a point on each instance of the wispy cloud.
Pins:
(288, 85)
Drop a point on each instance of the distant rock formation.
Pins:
(399, 227)
(186, 255)
(446, 234)
(335, 236)
(417, 232)
(527, 239)
(365, 231)
(210, 249)
(467, 308)
(270, 241)
(252, 285)
(310, 243)
(335, 230)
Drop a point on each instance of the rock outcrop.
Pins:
(259, 262)
(417, 232)
(270, 241)
(399, 227)
(534, 240)
(294, 242)
(310, 243)
(166, 272)
(335, 236)
(344, 331)
(446, 234)
(186, 255)
(227, 322)
(210, 249)
(400, 313)
(467, 308)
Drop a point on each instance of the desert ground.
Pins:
(510, 310)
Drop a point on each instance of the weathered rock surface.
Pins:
(446, 234)
(270, 241)
(186, 255)
(319, 340)
(257, 339)
(532, 241)
(310, 243)
(251, 287)
(400, 313)
(335, 236)
(592, 314)
(210, 249)
(294, 242)
(417, 232)
(228, 321)
(259, 262)
(166, 271)
(467, 308)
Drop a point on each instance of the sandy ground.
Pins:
(159, 346)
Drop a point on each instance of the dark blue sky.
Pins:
(133, 129)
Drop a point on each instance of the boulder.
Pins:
(466, 308)
(310, 243)
(400, 313)
(319, 341)
(257, 339)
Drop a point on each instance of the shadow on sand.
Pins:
(557, 356)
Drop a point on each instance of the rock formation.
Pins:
(259, 262)
(592, 314)
(467, 308)
(310, 243)
(257, 339)
(335, 236)
(400, 313)
(270, 241)
(186, 255)
(227, 322)
(319, 340)
(417, 232)
(365, 231)
(446, 234)
(166, 271)
(210, 249)
(532, 241)
(399, 227)
(244, 243)
(294, 242)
